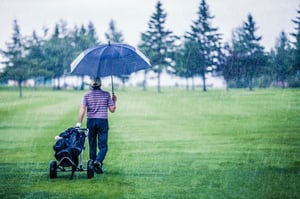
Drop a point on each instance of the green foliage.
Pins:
(158, 42)
(295, 79)
(281, 59)
(246, 57)
(243, 63)
(17, 66)
(36, 56)
(113, 35)
(176, 144)
(59, 51)
(202, 44)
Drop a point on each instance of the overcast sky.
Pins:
(132, 16)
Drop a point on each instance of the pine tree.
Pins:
(82, 39)
(281, 59)
(114, 35)
(250, 57)
(16, 66)
(202, 44)
(296, 50)
(181, 67)
(60, 52)
(37, 58)
(158, 42)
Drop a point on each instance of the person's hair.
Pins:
(95, 82)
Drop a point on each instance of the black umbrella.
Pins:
(108, 60)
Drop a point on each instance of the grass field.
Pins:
(176, 144)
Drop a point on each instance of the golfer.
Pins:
(97, 103)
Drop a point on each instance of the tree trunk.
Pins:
(204, 82)
(82, 82)
(145, 81)
(58, 85)
(20, 88)
(251, 84)
(35, 83)
(227, 85)
(282, 84)
(193, 84)
(187, 84)
(158, 82)
(123, 84)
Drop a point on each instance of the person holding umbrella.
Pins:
(96, 103)
(100, 61)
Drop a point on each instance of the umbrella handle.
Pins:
(112, 86)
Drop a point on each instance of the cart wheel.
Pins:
(90, 169)
(53, 167)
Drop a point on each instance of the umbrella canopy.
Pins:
(109, 59)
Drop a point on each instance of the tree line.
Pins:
(242, 62)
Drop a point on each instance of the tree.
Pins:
(181, 67)
(116, 36)
(281, 59)
(36, 57)
(249, 55)
(158, 42)
(91, 34)
(113, 34)
(60, 52)
(296, 50)
(16, 66)
(227, 65)
(202, 44)
(83, 39)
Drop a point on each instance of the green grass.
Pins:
(176, 144)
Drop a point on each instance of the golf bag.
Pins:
(68, 148)
(70, 145)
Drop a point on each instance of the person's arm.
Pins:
(81, 115)
(113, 108)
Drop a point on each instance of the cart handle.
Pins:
(83, 129)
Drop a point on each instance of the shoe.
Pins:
(98, 167)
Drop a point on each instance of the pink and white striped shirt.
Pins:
(97, 102)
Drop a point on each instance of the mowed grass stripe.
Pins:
(27, 127)
(236, 129)
(176, 144)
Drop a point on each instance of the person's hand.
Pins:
(114, 98)
(78, 125)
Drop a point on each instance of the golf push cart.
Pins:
(69, 145)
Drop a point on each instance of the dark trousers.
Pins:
(98, 132)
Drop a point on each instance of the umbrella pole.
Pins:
(112, 85)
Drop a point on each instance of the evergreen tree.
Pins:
(296, 50)
(115, 36)
(158, 42)
(181, 67)
(92, 34)
(60, 52)
(16, 65)
(249, 54)
(202, 44)
(227, 66)
(281, 61)
(37, 58)
(83, 38)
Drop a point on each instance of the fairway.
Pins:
(174, 144)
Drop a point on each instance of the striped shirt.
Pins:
(97, 102)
